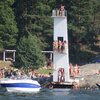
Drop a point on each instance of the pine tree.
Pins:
(8, 26)
(80, 19)
(29, 52)
(34, 17)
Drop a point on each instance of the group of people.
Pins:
(60, 46)
(12, 74)
(36, 74)
(60, 11)
(74, 70)
(20, 74)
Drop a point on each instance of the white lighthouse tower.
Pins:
(60, 46)
(61, 74)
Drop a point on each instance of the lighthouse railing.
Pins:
(57, 12)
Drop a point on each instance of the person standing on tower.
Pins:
(62, 10)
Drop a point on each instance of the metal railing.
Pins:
(59, 13)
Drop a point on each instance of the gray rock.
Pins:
(90, 75)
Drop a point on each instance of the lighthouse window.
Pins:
(60, 41)
(60, 45)
(60, 38)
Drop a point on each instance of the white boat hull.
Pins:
(24, 85)
(23, 90)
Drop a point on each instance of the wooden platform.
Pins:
(59, 85)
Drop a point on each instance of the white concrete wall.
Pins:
(61, 60)
(60, 27)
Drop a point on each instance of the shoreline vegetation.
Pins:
(89, 74)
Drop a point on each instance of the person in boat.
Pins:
(8, 73)
(23, 76)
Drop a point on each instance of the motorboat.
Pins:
(20, 85)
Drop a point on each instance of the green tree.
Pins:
(96, 15)
(34, 17)
(29, 52)
(8, 26)
(80, 19)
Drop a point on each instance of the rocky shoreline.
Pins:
(89, 75)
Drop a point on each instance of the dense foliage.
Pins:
(34, 29)
(8, 26)
(29, 52)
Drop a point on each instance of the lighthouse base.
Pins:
(59, 85)
(62, 85)
(72, 83)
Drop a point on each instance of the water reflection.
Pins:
(53, 94)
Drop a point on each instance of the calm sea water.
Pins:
(54, 94)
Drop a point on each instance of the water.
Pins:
(54, 94)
